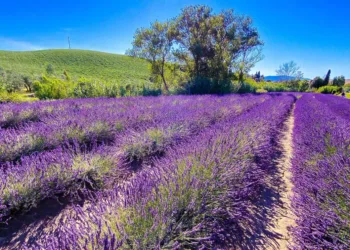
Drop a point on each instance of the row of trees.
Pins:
(12, 81)
(211, 48)
(291, 70)
(318, 82)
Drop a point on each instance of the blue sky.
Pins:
(315, 33)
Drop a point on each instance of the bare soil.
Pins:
(284, 218)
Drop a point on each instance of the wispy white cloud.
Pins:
(12, 44)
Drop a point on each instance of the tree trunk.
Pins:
(241, 76)
(163, 77)
(165, 84)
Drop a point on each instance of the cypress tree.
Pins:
(327, 78)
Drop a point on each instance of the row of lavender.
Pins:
(146, 127)
(321, 170)
(201, 195)
(100, 121)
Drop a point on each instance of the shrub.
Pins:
(261, 91)
(84, 89)
(146, 91)
(346, 88)
(292, 85)
(317, 83)
(244, 87)
(52, 88)
(28, 83)
(303, 86)
(338, 81)
(66, 75)
(49, 69)
(199, 85)
(274, 87)
(11, 81)
(10, 97)
(329, 90)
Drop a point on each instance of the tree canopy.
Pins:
(210, 47)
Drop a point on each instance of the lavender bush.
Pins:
(174, 172)
(67, 170)
(199, 196)
(321, 169)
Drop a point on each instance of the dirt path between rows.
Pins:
(273, 213)
(284, 217)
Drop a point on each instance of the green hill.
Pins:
(78, 63)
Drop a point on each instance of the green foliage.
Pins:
(97, 66)
(261, 91)
(207, 46)
(11, 81)
(293, 85)
(317, 83)
(28, 83)
(52, 88)
(288, 86)
(338, 81)
(202, 85)
(15, 97)
(9, 97)
(303, 86)
(91, 74)
(65, 73)
(329, 90)
(155, 44)
(251, 86)
(346, 88)
(49, 69)
(58, 88)
(248, 86)
(209, 43)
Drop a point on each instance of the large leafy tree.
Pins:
(215, 42)
(208, 46)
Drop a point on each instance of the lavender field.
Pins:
(176, 172)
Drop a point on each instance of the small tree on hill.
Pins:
(49, 69)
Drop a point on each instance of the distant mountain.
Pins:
(280, 78)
